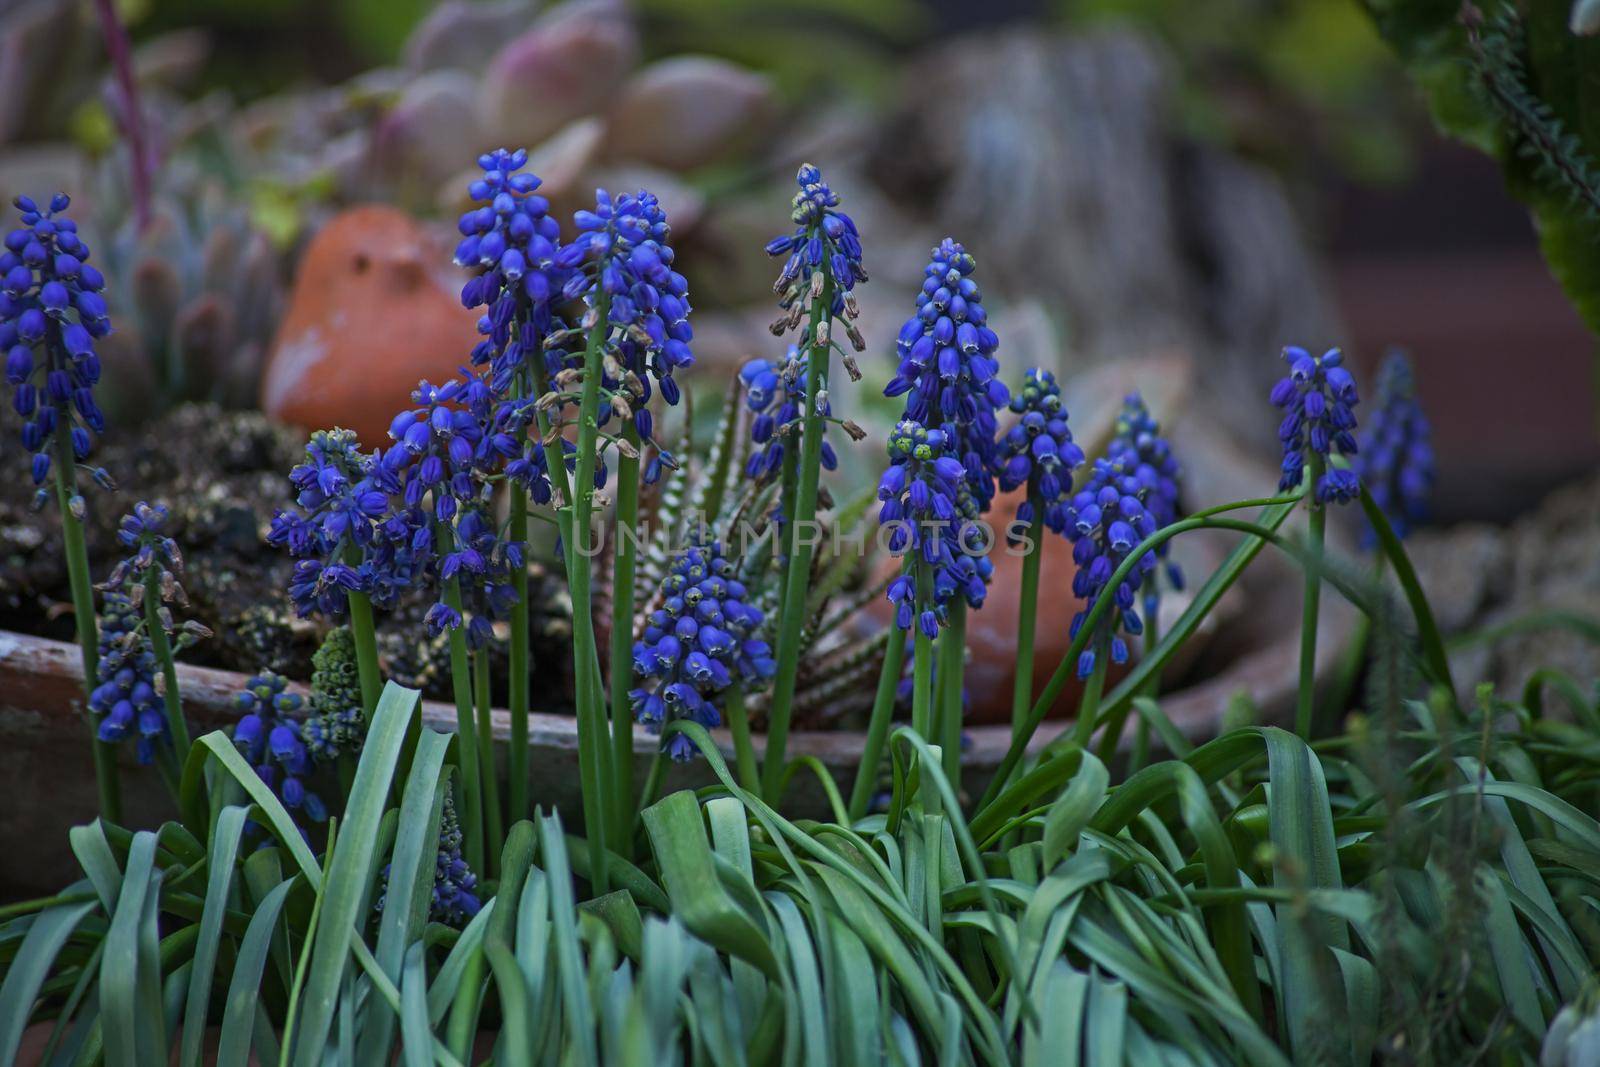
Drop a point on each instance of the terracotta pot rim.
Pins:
(41, 669)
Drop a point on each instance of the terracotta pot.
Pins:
(368, 318)
(45, 762)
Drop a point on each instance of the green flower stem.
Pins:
(1152, 638)
(894, 658)
(1027, 621)
(623, 562)
(494, 828)
(599, 780)
(517, 684)
(364, 634)
(466, 725)
(1355, 651)
(563, 486)
(77, 556)
(1152, 688)
(1277, 510)
(922, 684)
(1089, 706)
(167, 768)
(517, 689)
(1317, 521)
(788, 484)
(952, 669)
(162, 647)
(588, 768)
(652, 784)
(797, 575)
(921, 655)
(744, 754)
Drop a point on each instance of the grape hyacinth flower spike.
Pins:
(918, 505)
(148, 578)
(816, 290)
(126, 698)
(1139, 445)
(1108, 519)
(441, 466)
(509, 240)
(445, 459)
(337, 724)
(455, 888)
(621, 263)
(51, 315)
(636, 335)
(1396, 461)
(1318, 398)
(947, 369)
(702, 640)
(274, 744)
(824, 250)
(341, 496)
(1038, 451)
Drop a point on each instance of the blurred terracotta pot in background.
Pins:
(369, 316)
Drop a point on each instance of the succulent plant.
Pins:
(707, 496)
(200, 295)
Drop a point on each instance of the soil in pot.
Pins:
(223, 474)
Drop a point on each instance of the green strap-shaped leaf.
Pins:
(130, 991)
(578, 1008)
(1071, 811)
(28, 970)
(1310, 986)
(224, 854)
(344, 894)
(219, 746)
(239, 1016)
(678, 835)
(411, 868)
(94, 855)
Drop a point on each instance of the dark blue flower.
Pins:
(824, 248)
(823, 235)
(455, 888)
(947, 367)
(1038, 451)
(51, 314)
(274, 742)
(702, 639)
(776, 394)
(1139, 447)
(921, 508)
(444, 462)
(143, 532)
(334, 532)
(1396, 460)
(1318, 398)
(1106, 521)
(126, 698)
(510, 242)
(622, 258)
